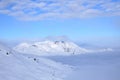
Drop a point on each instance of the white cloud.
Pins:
(49, 9)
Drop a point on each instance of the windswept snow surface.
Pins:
(15, 66)
(47, 48)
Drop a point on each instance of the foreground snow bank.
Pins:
(15, 66)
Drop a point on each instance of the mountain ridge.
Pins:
(48, 46)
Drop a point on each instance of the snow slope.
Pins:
(18, 66)
(15, 66)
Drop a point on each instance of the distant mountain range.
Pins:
(48, 47)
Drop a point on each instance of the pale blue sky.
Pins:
(89, 19)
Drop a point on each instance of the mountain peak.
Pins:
(48, 46)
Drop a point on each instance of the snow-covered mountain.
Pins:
(15, 66)
(18, 66)
(50, 48)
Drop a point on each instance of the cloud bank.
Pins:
(31, 10)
